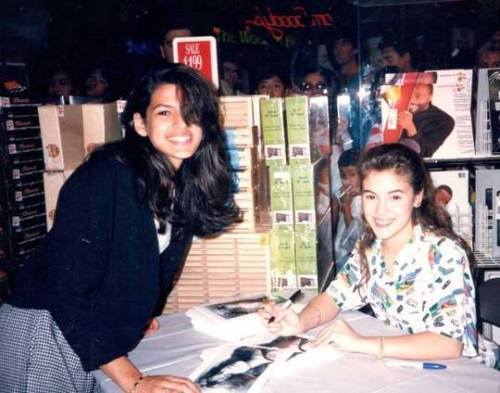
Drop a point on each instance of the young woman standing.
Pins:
(123, 225)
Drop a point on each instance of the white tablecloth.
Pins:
(176, 347)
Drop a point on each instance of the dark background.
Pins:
(44, 33)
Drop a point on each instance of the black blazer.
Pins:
(99, 271)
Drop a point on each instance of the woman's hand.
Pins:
(340, 333)
(166, 384)
(153, 326)
(285, 323)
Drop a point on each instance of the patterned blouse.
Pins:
(430, 288)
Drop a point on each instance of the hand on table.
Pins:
(286, 322)
(166, 384)
(340, 333)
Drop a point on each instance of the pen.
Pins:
(294, 297)
(414, 364)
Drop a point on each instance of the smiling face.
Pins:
(388, 203)
(166, 128)
(421, 98)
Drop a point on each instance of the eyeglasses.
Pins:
(319, 88)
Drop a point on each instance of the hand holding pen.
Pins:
(280, 319)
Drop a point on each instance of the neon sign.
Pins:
(276, 24)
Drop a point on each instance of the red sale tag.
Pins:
(199, 53)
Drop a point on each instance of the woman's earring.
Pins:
(418, 204)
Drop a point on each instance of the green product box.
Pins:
(303, 195)
(297, 125)
(311, 192)
(314, 254)
(280, 180)
(308, 128)
(283, 272)
(273, 131)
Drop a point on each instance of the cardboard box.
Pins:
(16, 135)
(241, 137)
(18, 174)
(24, 196)
(236, 111)
(62, 136)
(53, 182)
(101, 124)
(22, 123)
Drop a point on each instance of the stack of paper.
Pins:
(231, 320)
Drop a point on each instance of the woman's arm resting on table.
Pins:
(418, 346)
(126, 375)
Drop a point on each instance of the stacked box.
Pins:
(62, 135)
(283, 271)
(245, 185)
(53, 182)
(101, 124)
(244, 147)
(69, 134)
(22, 200)
(308, 128)
(273, 131)
(312, 222)
(233, 264)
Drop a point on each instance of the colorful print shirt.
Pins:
(429, 289)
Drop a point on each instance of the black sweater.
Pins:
(99, 271)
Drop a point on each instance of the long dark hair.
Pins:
(430, 215)
(198, 195)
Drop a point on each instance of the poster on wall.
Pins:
(429, 112)
(199, 53)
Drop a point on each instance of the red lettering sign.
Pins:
(199, 53)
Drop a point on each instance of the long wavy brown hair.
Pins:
(431, 216)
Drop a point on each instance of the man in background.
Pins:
(425, 123)
(345, 52)
(489, 55)
(172, 30)
(395, 53)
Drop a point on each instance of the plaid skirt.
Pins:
(36, 358)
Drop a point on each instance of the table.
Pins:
(176, 347)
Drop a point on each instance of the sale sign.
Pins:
(199, 53)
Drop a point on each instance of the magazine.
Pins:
(430, 112)
(232, 319)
